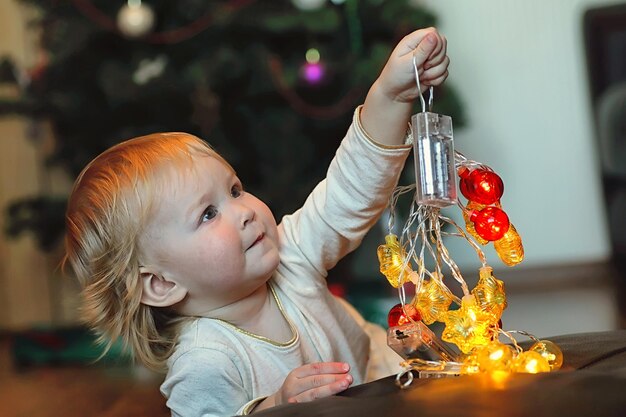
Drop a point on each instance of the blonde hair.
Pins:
(107, 210)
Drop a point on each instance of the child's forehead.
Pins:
(196, 170)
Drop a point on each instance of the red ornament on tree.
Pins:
(480, 185)
(490, 223)
(396, 316)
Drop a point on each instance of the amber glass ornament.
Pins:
(489, 294)
(491, 223)
(467, 327)
(509, 247)
(469, 225)
(550, 352)
(530, 362)
(391, 257)
(397, 316)
(433, 300)
(480, 185)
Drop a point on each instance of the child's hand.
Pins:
(388, 104)
(316, 380)
(397, 79)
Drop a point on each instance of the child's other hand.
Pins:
(397, 79)
(316, 380)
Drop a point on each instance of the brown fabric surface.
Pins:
(592, 383)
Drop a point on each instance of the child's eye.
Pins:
(236, 191)
(209, 213)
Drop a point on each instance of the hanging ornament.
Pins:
(149, 69)
(308, 5)
(480, 185)
(509, 247)
(135, 19)
(491, 223)
(312, 71)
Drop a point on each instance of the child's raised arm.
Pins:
(388, 105)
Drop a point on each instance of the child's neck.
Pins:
(259, 314)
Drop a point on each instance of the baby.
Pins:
(192, 273)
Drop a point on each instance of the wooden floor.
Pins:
(74, 391)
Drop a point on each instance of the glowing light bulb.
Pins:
(433, 300)
(467, 327)
(491, 223)
(391, 257)
(480, 185)
(550, 352)
(509, 247)
(494, 357)
(530, 362)
(397, 316)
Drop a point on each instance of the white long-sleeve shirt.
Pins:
(219, 370)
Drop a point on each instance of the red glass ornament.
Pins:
(491, 223)
(480, 185)
(396, 316)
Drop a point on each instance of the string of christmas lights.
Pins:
(470, 340)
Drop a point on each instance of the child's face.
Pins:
(209, 236)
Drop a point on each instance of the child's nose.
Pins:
(246, 214)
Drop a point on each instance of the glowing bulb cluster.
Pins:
(474, 327)
(473, 322)
(484, 218)
(498, 357)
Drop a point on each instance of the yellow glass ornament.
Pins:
(469, 225)
(433, 300)
(467, 327)
(509, 248)
(550, 352)
(530, 362)
(391, 257)
(494, 357)
(489, 293)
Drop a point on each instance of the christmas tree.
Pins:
(271, 85)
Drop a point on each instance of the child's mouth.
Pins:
(258, 239)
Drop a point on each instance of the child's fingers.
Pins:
(425, 48)
(411, 41)
(438, 55)
(321, 368)
(437, 81)
(321, 386)
(436, 71)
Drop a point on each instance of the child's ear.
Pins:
(158, 292)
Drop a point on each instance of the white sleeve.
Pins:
(345, 205)
(204, 383)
